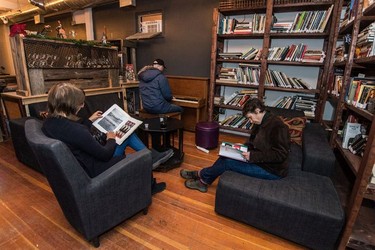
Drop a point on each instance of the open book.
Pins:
(117, 120)
(233, 150)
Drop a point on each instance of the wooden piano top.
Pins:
(189, 101)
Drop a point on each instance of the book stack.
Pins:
(360, 91)
(230, 55)
(236, 121)
(248, 74)
(280, 79)
(365, 42)
(251, 54)
(279, 27)
(358, 144)
(243, 28)
(228, 25)
(227, 75)
(316, 56)
(307, 104)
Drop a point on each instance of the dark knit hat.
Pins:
(159, 62)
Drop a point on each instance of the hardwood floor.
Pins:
(178, 218)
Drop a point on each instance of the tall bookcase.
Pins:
(315, 73)
(360, 212)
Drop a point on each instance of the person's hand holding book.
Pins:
(246, 155)
(111, 135)
(95, 116)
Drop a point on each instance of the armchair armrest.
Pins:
(318, 156)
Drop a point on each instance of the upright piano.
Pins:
(191, 93)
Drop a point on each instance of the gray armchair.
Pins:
(92, 205)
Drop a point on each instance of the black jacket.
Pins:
(270, 145)
(93, 157)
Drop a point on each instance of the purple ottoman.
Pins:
(207, 134)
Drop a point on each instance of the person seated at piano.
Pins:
(155, 91)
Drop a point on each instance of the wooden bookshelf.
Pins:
(359, 227)
(269, 8)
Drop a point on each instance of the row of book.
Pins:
(228, 25)
(307, 104)
(360, 91)
(297, 53)
(365, 42)
(236, 121)
(244, 74)
(305, 21)
(240, 98)
(239, 4)
(250, 54)
(280, 79)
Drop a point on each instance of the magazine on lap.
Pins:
(117, 120)
(233, 150)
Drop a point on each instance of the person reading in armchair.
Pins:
(62, 123)
(267, 158)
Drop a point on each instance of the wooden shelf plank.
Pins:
(353, 160)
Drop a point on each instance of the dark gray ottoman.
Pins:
(303, 207)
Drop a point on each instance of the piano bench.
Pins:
(143, 114)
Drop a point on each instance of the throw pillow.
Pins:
(296, 126)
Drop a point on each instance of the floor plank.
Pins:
(179, 218)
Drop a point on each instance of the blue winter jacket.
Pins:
(155, 91)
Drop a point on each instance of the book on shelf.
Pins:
(359, 90)
(307, 104)
(233, 150)
(350, 130)
(117, 120)
(357, 144)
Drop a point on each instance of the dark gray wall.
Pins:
(186, 42)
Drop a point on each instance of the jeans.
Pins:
(133, 141)
(209, 174)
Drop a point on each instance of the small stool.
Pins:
(207, 134)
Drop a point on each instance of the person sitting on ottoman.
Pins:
(267, 158)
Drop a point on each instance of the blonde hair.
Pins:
(65, 99)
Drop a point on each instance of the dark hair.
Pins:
(66, 99)
(252, 105)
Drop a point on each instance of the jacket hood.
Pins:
(149, 74)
